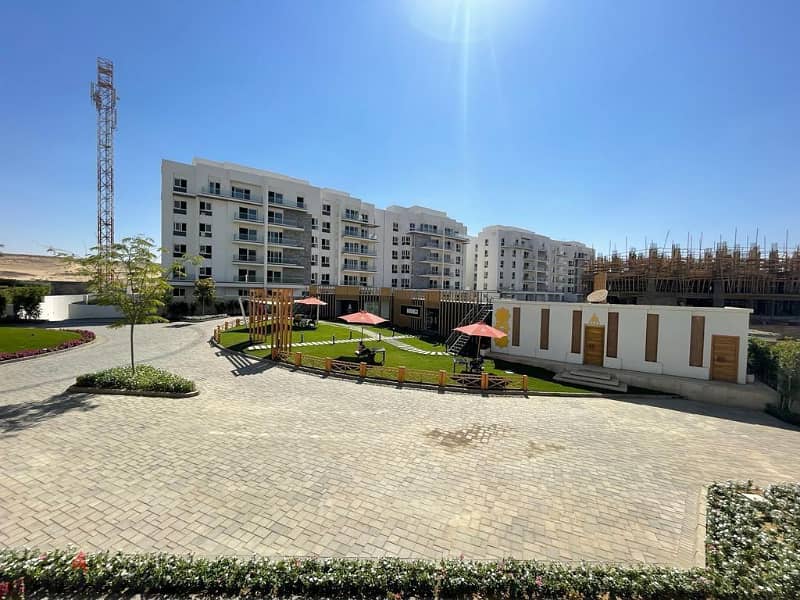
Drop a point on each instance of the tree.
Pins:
(127, 276)
(204, 290)
(27, 299)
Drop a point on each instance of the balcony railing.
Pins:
(360, 251)
(247, 279)
(359, 235)
(287, 280)
(254, 198)
(248, 238)
(246, 258)
(358, 267)
(249, 218)
(280, 241)
(284, 222)
(287, 203)
(282, 260)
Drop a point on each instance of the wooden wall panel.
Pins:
(696, 341)
(612, 336)
(577, 320)
(651, 339)
(515, 318)
(544, 330)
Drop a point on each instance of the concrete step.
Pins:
(592, 374)
(611, 384)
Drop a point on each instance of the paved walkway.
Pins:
(273, 462)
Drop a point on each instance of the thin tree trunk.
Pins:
(133, 366)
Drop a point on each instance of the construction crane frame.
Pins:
(104, 97)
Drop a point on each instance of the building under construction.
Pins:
(766, 281)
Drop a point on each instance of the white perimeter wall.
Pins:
(71, 306)
(674, 334)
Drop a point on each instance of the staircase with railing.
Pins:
(456, 340)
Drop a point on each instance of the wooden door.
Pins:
(593, 338)
(725, 357)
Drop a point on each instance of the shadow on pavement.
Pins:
(17, 417)
(244, 365)
(742, 415)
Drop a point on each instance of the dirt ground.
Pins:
(31, 267)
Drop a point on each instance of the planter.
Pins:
(75, 389)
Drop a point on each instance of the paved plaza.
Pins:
(278, 463)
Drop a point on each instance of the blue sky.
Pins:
(578, 119)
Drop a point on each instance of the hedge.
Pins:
(752, 552)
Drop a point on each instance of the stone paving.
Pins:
(279, 463)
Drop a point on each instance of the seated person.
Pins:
(362, 350)
(476, 365)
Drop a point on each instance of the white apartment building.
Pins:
(525, 265)
(254, 228)
(422, 249)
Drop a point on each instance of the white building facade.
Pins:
(255, 229)
(525, 265)
(683, 341)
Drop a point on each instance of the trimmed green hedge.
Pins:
(145, 378)
(752, 552)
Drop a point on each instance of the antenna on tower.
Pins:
(104, 97)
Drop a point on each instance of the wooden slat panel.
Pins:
(696, 341)
(544, 330)
(612, 335)
(577, 318)
(593, 346)
(725, 357)
(515, 326)
(651, 339)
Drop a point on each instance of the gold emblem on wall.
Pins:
(501, 322)
(594, 321)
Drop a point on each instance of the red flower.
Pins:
(79, 562)
(4, 588)
(539, 582)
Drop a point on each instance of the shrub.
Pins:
(27, 298)
(144, 378)
(176, 310)
(3, 303)
(778, 365)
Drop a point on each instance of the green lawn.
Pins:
(14, 339)
(238, 338)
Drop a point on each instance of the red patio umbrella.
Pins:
(362, 318)
(312, 301)
(481, 330)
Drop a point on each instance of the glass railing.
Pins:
(284, 221)
(248, 279)
(237, 237)
(281, 241)
(249, 217)
(246, 258)
(281, 201)
(228, 194)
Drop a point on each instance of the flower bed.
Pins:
(752, 553)
(85, 336)
(144, 379)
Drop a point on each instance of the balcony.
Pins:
(248, 239)
(282, 261)
(247, 279)
(248, 218)
(252, 198)
(288, 280)
(251, 259)
(274, 201)
(356, 267)
(281, 221)
(358, 251)
(358, 220)
(371, 237)
(284, 242)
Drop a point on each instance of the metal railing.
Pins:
(284, 222)
(248, 218)
(247, 259)
(358, 267)
(247, 238)
(229, 194)
(287, 203)
(280, 241)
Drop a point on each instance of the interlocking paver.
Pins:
(278, 463)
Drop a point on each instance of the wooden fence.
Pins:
(402, 375)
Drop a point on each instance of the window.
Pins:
(395, 227)
(313, 278)
(394, 254)
(314, 241)
(406, 254)
(301, 202)
(240, 193)
(406, 240)
(246, 255)
(247, 214)
(394, 240)
(179, 207)
(501, 274)
(178, 292)
(485, 253)
(513, 253)
(274, 197)
(179, 185)
(213, 188)
(394, 282)
(458, 260)
(179, 229)
(412, 226)
(205, 208)
(502, 264)
(325, 278)
(405, 283)
(363, 281)
(513, 264)
(314, 223)
(205, 251)
(351, 214)
(502, 252)
(502, 241)
(325, 261)
(394, 268)
(486, 242)
(458, 285)
(246, 275)
(405, 268)
(205, 229)
(326, 227)
(326, 244)
(486, 264)
(178, 250)
(205, 272)
(513, 275)
(326, 209)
